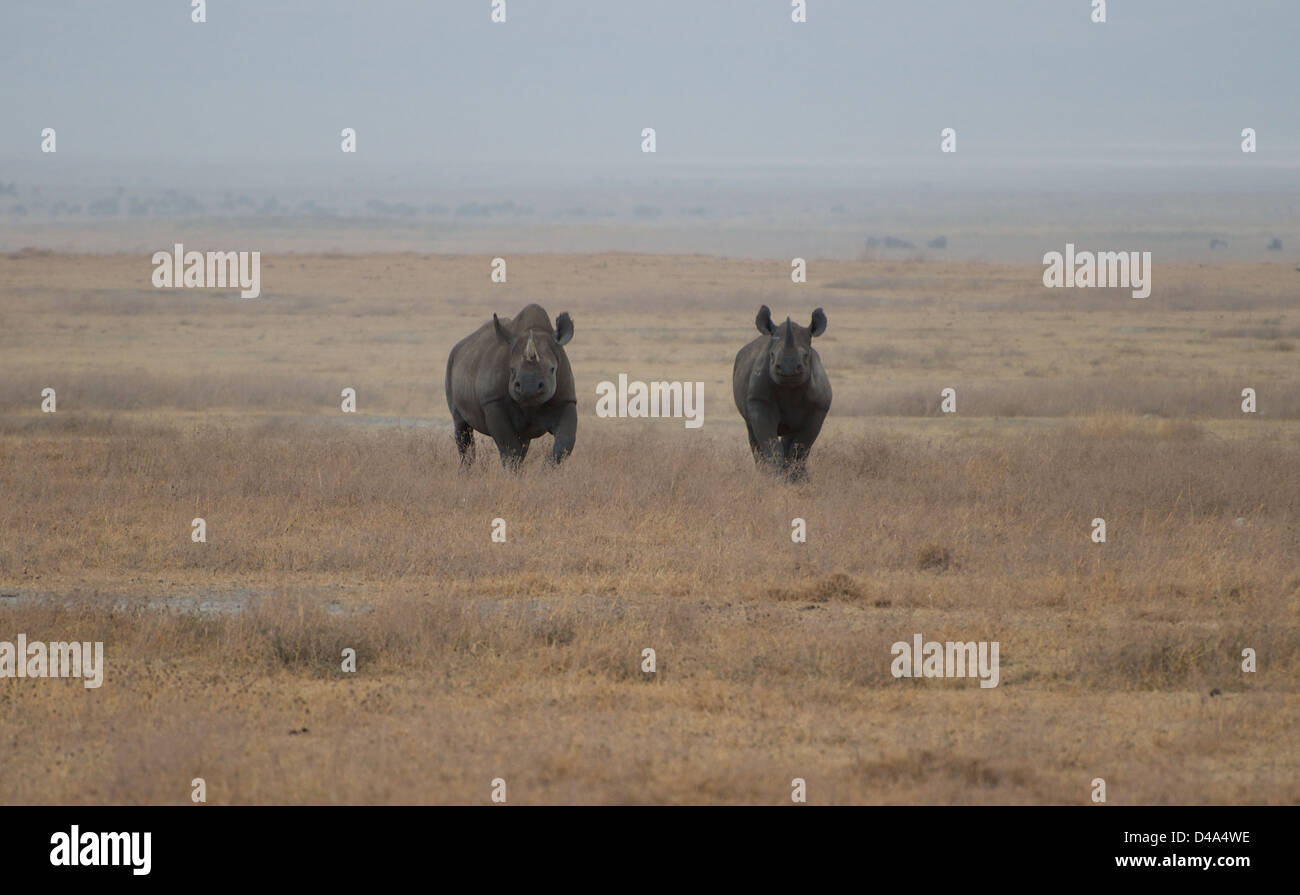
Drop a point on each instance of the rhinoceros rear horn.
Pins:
(530, 350)
(502, 333)
(764, 321)
(563, 328)
(818, 322)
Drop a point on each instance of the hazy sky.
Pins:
(564, 88)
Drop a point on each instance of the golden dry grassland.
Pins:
(522, 660)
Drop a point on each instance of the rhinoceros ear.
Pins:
(563, 328)
(818, 322)
(764, 321)
(502, 333)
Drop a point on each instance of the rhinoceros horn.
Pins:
(530, 350)
(789, 334)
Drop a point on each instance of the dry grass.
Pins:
(521, 660)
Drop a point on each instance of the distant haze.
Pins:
(559, 93)
(773, 137)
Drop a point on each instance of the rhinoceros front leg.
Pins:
(566, 433)
(513, 449)
(762, 430)
(464, 438)
(798, 444)
(753, 443)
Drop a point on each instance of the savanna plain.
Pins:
(522, 660)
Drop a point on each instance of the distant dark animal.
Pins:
(889, 242)
(781, 390)
(510, 379)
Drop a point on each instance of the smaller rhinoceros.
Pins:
(510, 379)
(781, 390)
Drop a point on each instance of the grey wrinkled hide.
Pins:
(782, 391)
(510, 380)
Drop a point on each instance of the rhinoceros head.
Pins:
(789, 353)
(534, 357)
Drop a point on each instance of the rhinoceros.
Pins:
(782, 391)
(510, 379)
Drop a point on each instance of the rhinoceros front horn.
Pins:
(530, 350)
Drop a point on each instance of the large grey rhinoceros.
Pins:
(510, 379)
(781, 390)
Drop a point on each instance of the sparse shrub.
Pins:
(933, 558)
(836, 586)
